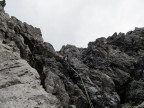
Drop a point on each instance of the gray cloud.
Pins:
(78, 21)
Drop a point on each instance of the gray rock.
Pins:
(135, 92)
(72, 106)
(140, 106)
(3, 27)
(20, 83)
(34, 75)
(26, 95)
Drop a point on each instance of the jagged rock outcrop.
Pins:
(19, 82)
(3, 3)
(33, 75)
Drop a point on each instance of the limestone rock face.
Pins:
(109, 72)
(19, 82)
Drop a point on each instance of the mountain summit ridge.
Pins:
(34, 75)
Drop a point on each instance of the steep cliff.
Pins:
(33, 75)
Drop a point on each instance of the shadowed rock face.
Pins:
(33, 75)
(2, 3)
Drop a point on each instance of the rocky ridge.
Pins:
(32, 75)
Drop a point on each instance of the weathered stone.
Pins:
(136, 92)
(20, 84)
(3, 27)
(34, 75)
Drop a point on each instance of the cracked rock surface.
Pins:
(34, 75)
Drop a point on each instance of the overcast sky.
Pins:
(78, 22)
